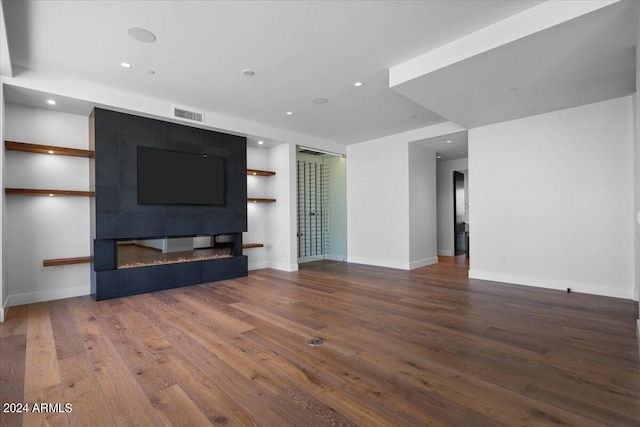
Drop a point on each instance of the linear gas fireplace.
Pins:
(132, 266)
(135, 253)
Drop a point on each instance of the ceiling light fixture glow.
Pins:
(289, 113)
(357, 84)
(260, 142)
(51, 102)
(125, 65)
(50, 152)
(448, 141)
(50, 194)
(439, 156)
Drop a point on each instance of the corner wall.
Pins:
(552, 197)
(422, 206)
(378, 198)
(282, 214)
(4, 282)
(378, 203)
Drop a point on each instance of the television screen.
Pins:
(176, 178)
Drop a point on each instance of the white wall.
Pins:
(4, 282)
(281, 216)
(552, 197)
(378, 203)
(422, 206)
(46, 227)
(337, 207)
(445, 203)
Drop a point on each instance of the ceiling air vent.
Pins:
(183, 114)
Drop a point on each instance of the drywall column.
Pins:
(378, 203)
(422, 206)
(445, 203)
(282, 213)
(551, 199)
(636, 181)
(4, 291)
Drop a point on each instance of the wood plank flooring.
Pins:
(428, 347)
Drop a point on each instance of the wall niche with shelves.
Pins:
(258, 173)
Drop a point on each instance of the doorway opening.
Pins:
(321, 207)
(459, 223)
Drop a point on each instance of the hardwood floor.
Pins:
(426, 347)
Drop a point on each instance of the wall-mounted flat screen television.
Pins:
(176, 178)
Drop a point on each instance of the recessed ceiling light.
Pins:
(260, 142)
(248, 72)
(50, 195)
(320, 101)
(448, 141)
(142, 35)
(125, 64)
(357, 84)
(50, 151)
(439, 156)
(51, 102)
(289, 113)
(513, 90)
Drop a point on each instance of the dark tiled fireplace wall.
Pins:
(115, 138)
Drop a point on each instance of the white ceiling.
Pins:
(299, 50)
(448, 147)
(584, 60)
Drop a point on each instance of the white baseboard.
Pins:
(41, 296)
(446, 252)
(380, 263)
(283, 266)
(258, 265)
(423, 262)
(538, 282)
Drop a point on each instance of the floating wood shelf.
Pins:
(67, 261)
(259, 172)
(34, 192)
(252, 245)
(47, 149)
(260, 200)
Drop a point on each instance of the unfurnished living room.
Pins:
(310, 213)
